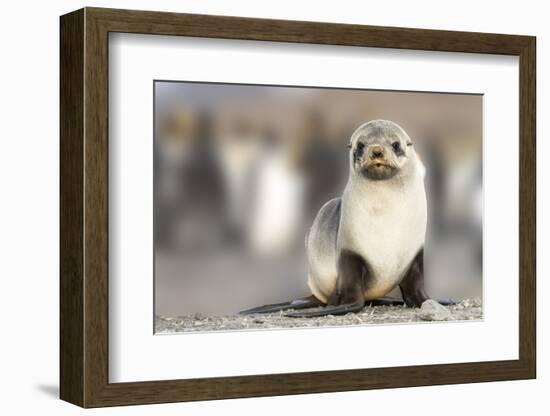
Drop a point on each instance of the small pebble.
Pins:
(433, 311)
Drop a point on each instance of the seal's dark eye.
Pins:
(396, 146)
(360, 146)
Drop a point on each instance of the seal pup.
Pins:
(371, 239)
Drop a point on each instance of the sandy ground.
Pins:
(466, 310)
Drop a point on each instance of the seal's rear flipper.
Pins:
(328, 310)
(302, 303)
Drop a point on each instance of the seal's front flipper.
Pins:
(328, 310)
(412, 285)
(446, 302)
(348, 294)
(302, 303)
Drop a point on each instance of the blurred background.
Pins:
(241, 171)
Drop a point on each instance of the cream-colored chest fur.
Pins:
(385, 223)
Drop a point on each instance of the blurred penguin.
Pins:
(203, 192)
(278, 203)
(189, 191)
(322, 161)
(239, 146)
(174, 133)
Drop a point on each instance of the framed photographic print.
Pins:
(255, 207)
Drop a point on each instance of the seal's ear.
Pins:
(349, 145)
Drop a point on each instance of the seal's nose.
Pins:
(376, 152)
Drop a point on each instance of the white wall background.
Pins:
(29, 205)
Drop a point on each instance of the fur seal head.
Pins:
(381, 150)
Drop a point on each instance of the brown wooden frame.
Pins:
(84, 208)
